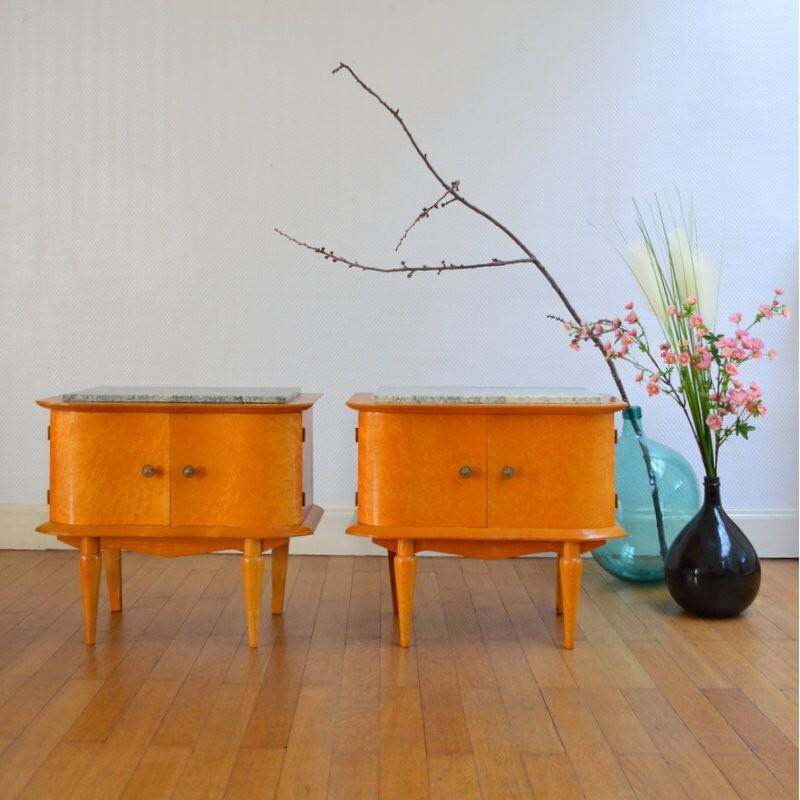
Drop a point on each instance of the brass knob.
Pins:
(189, 471)
(148, 470)
(508, 472)
(465, 472)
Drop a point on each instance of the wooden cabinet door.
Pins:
(247, 469)
(563, 471)
(409, 469)
(96, 468)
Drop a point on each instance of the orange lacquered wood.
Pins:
(600, 535)
(563, 471)
(311, 517)
(171, 548)
(96, 465)
(248, 469)
(408, 469)
(557, 493)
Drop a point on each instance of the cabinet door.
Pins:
(97, 460)
(563, 471)
(409, 469)
(246, 468)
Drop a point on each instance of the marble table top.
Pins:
(182, 394)
(487, 394)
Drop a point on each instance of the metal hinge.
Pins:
(616, 501)
(48, 497)
(616, 435)
(356, 498)
(303, 499)
(48, 433)
(304, 434)
(356, 434)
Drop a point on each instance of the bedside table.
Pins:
(180, 471)
(486, 473)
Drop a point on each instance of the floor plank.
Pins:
(172, 702)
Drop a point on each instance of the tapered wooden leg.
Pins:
(405, 570)
(392, 581)
(91, 564)
(253, 580)
(280, 561)
(113, 563)
(569, 570)
(559, 601)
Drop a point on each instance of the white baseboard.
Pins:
(773, 532)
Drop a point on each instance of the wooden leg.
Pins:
(569, 570)
(113, 563)
(91, 564)
(392, 580)
(280, 561)
(559, 601)
(253, 579)
(405, 569)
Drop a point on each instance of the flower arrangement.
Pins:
(696, 366)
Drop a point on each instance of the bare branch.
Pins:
(454, 192)
(444, 266)
(426, 211)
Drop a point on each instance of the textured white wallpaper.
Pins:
(148, 148)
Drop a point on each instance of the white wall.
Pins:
(147, 149)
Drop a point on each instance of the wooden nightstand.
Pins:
(457, 474)
(177, 472)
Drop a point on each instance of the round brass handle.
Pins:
(148, 470)
(189, 471)
(465, 472)
(508, 472)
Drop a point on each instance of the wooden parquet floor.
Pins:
(171, 703)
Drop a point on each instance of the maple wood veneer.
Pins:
(177, 479)
(486, 481)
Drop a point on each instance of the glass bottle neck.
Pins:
(712, 493)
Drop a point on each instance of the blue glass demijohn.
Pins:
(640, 556)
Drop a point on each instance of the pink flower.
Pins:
(575, 346)
(773, 354)
(638, 377)
(696, 321)
(654, 377)
(737, 384)
(668, 357)
(714, 422)
(690, 301)
(736, 317)
(762, 410)
(731, 369)
(778, 290)
(567, 326)
(631, 318)
(670, 311)
(684, 359)
(598, 329)
(766, 311)
(756, 389)
(738, 353)
(785, 312)
(756, 344)
(629, 306)
(652, 389)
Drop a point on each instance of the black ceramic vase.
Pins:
(712, 569)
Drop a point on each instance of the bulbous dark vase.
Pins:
(712, 568)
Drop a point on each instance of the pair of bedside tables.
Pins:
(480, 473)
